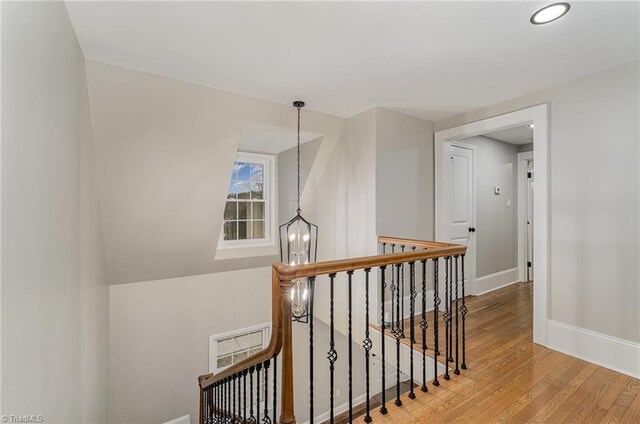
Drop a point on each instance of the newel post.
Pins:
(287, 415)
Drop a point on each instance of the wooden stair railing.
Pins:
(223, 396)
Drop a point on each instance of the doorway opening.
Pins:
(489, 163)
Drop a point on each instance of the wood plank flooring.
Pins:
(511, 380)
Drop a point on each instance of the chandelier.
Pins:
(298, 246)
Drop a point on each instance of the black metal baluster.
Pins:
(252, 418)
(258, 370)
(412, 330)
(401, 294)
(398, 334)
(216, 396)
(239, 377)
(211, 403)
(203, 404)
(450, 309)
(392, 288)
(423, 326)
(219, 413)
(350, 350)
(233, 401)
(332, 355)
(244, 396)
(447, 319)
(312, 282)
(383, 286)
(275, 387)
(463, 310)
(366, 344)
(229, 396)
(436, 310)
(224, 401)
(266, 419)
(457, 370)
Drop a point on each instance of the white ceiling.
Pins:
(431, 60)
(517, 135)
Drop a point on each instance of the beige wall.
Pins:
(164, 150)
(404, 175)
(159, 338)
(497, 224)
(158, 331)
(54, 293)
(594, 198)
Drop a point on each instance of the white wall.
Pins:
(594, 198)
(54, 293)
(496, 222)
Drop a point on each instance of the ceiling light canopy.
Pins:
(550, 13)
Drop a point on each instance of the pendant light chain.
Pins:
(299, 210)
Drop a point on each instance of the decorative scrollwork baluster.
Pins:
(412, 330)
(457, 370)
(367, 344)
(332, 355)
(436, 311)
(463, 311)
(447, 319)
(266, 419)
(383, 287)
(398, 335)
(423, 326)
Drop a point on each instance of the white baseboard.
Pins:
(496, 281)
(185, 419)
(601, 349)
(338, 410)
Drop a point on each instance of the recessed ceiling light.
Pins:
(550, 13)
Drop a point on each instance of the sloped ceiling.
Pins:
(164, 150)
(432, 59)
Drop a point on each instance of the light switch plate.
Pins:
(496, 190)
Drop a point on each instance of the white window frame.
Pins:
(213, 342)
(268, 163)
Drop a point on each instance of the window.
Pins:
(248, 213)
(230, 348)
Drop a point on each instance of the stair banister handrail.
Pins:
(289, 272)
(281, 334)
(279, 303)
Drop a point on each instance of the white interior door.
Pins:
(459, 199)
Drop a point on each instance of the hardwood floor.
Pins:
(511, 380)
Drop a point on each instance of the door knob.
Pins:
(472, 229)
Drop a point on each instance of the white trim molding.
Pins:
(539, 117)
(601, 349)
(496, 281)
(523, 157)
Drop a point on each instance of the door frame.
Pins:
(523, 157)
(539, 117)
(442, 234)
